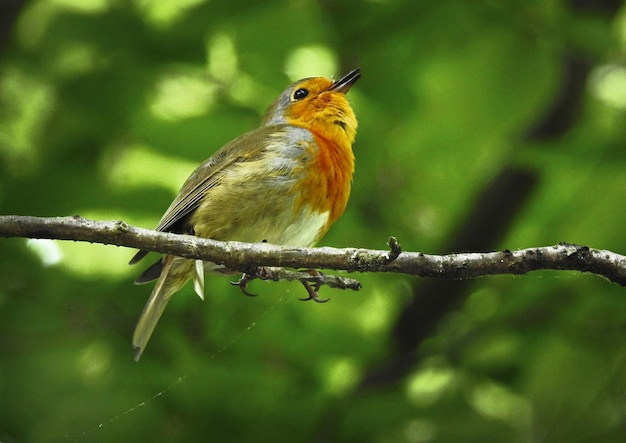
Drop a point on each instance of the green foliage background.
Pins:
(107, 105)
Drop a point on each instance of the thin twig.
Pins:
(245, 256)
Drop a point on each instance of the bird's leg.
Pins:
(313, 290)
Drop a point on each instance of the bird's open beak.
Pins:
(346, 82)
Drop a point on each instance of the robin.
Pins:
(284, 183)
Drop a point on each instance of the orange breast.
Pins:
(328, 177)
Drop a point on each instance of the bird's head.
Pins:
(318, 104)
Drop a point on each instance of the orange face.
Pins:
(324, 111)
(319, 105)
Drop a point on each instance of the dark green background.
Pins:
(483, 125)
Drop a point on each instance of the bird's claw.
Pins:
(312, 291)
(243, 284)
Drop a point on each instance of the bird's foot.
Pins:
(313, 290)
(269, 273)
(246, 278)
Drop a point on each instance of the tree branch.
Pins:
(246, 257)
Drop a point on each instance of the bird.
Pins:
(285, 183)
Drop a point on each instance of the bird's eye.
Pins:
(300, 94)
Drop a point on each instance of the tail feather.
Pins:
(198, 278)
(150, 274)
(137, 257)
(173, 276)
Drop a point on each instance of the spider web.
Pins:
(75, 437)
